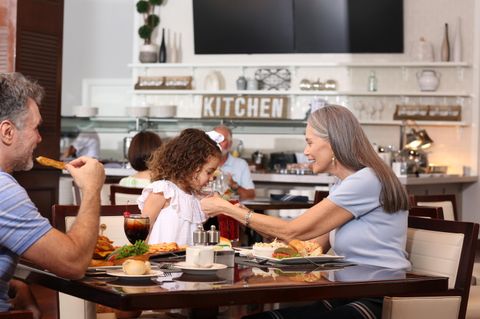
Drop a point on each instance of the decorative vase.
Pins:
(172, 48)
(148, 53)
(162, 55)
(445, 48)
(457, 44)
(428, 80)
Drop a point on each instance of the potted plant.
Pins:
(148, 51)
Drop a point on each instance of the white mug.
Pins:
(200, 256)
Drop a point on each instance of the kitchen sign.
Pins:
(244, 106)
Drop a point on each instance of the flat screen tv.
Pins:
(298, 26)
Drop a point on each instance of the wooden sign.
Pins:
(244, 106)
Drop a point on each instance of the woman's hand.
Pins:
(215, 205)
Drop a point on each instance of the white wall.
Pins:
(97, 43)
(100, 40)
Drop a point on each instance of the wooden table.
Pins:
(239, 285)
(262, 205)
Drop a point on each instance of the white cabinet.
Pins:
(397, 84)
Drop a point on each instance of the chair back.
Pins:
(426, 211)
(122, 195)
(111, 220)
(444, 248)
(17, 314)
(319, 196)
(446, 201)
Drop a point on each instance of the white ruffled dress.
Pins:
(176, 222)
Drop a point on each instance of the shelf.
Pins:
(299, 93)
(306, 64)
(243, 126)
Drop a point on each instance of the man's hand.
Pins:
(87, 172)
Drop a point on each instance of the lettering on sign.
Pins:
(244, 106)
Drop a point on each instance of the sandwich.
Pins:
(298, 248)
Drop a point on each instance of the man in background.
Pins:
(23, 231)
(240, 179)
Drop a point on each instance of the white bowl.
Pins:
(137, 111)
(85, 111)
(163, 110)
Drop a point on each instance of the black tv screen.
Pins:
(298, 26)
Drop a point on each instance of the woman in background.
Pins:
(364, 218)
(141, 148)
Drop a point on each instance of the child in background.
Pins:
(179, 170)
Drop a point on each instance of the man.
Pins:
(23, 231)
(240, 180)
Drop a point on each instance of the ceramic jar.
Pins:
(148, 53)
(422, 50)
(428, 80)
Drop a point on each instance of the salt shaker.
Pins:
(213, 235)
(200, 236)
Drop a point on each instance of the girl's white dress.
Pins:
(176, 222)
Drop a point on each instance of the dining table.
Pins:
(248, 282)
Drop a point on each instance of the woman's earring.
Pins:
(333, 160)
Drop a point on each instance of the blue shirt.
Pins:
(21, 225)
(238, 168)
(372, 237)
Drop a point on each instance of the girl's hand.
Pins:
(214, 205)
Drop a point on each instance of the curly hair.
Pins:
(180, 158)
(15, 90)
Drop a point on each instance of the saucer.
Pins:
(194, 270)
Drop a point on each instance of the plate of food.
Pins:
(298, 252)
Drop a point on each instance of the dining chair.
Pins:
(446, 201)
(111, 225)
(111, 219)
(16, 314)
(426, 211)
(121, 195)
(319, 196)
(440, 248)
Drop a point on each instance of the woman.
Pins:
(364, 218)
(141, 148)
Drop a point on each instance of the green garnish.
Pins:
(139, 248)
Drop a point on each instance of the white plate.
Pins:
(189, 269)
(120, 273)
(302, 260)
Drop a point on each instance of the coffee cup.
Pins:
(200, 256)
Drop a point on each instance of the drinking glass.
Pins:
(229, 227)
(136, 227)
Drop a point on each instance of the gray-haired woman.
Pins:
(364, 218)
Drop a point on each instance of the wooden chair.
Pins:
(319, 196)
(425, 211)
(446, 201)
(111, 225)
(111, 219)
(16, 314)
(437, 247)
(121, 195)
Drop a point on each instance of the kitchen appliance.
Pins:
(258, 159)
(280, 160)
(127, 140)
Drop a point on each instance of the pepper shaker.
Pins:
(213, 235)
(199, 236)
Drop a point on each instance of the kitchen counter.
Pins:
(328, 179)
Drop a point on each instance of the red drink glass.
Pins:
(136, 227)
(229, 227)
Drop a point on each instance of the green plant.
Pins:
(150, 19)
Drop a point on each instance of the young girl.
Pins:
(179, 170)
